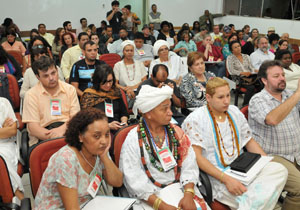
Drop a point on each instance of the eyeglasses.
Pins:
(38, 47)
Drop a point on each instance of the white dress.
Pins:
(8, 147)
(136, 180)
(264, 191)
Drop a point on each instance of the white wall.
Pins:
(262, 24)
(27, 14)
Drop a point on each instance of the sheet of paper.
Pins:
(109, 202)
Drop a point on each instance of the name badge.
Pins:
(109, 110)
(210, 58)
(81, 56)
(94, 185)
(141, 52)
(166, 159)
(55, 106)
(2, 69)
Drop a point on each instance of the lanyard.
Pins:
(153, 143)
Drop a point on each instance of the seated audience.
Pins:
(273, 41)
(286, 36)
(282, 45)
(250, 46)
(57, 44)
(200, 36)
(224, 124)
(68, 28)
(83, 70)
(49, 104)
(129, 72)
(226, 51)
(68, 41)
(12, 44)
(102, 49)
(240, 35)
(107, 37)
(153, 31)
(184, 29)
(170, 59)
(144, 175)
(115, 47)
(72, 55)
(83, 26)
(148, 37)
(165, 34)
(8, 146)
(7, 24)
(196, 27)
(29, 78)
(143, 52)
(101, 30)
(9, 65)
(159, 78)
(92, 28)
(216, 35)
(185, 45)
(43, 33)
(262, 53)
(33, 33)
(242, 71)
(193, 84)
(247, 34)
(274, 121)
(291, 70)
(224, 38)
(213, 54)
(103, 95)
(72, 169)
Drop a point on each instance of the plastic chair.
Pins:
(244, 110)
(295, 47)
(296, 57)
(38, 160)
(6, 190)
(110, 59)
(17, 55)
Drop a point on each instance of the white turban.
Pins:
(158, 45)
(150, 97)
(125, 43)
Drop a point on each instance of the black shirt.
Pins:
(116, 21)
(82, 73)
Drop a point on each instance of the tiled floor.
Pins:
(26, 179)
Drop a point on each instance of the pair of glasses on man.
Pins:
(38, 47)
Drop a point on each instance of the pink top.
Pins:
(17, 46)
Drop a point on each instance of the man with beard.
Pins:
(262, 53)
(83, 70)
(116, 45)
(274, 120)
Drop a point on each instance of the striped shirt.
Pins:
(282, 139)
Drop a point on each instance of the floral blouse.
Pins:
(64, 168)
(193, 90)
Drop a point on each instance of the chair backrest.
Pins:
(14, 91)
(124, 98)
(119, 139)
(6, 190)
(38, 160)
(110, 59)
(199, 45)
(295, 47)
(296, 57)
(244, 110)
(17, 55)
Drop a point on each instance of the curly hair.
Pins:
(79, 123)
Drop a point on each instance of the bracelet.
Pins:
(156, 203)
(222, 175)
(191, 190)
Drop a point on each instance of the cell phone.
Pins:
(122, 124)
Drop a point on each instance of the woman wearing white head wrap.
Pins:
(141, 163)
(129, 73)
(172, 60)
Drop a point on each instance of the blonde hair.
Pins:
(214, 83)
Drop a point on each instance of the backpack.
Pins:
(4, 87)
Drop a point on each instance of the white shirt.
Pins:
(292, 76)
(258, 57)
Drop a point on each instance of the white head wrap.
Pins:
(150, 97)
(125, 43)
(158, 45)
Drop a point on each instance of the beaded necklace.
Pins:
(173, 142)
(222, 141)
(127, 71)
(218, 134)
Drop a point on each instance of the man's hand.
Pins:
(56, 132)
(8, 122)
(234, 186)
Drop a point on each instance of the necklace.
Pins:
(144, 139)
(86, 160)
(232, 137)
(218, 135)
(127, 71)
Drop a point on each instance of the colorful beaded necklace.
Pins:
(144, 138)
(218, 134)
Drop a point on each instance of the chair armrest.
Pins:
(122, 191)
(25, 204)
(205, 188)
(24, 150)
